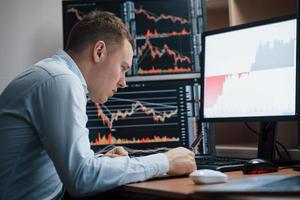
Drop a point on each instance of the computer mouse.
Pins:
(208, 176)
(259, 166)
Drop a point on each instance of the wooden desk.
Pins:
(184, 188)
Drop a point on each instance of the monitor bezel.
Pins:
(252, 118)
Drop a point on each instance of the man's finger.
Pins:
(120, 151)
(117, 151)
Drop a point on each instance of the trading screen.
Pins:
(167, 33)
(146, 115)
(255, 73)
(163, 37)
(160, 106)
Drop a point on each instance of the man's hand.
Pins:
(116, 152)
(181, 161)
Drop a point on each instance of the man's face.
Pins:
(109, 73)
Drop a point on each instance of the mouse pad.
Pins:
(259, 184)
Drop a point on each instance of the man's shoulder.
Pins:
(53, 67)
(45, 72)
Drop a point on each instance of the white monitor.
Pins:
(250, 71)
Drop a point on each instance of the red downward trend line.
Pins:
(134, 108)
(154, 18)
(76, 12)
(155, 51)
(103, 117)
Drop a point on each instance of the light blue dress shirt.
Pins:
(44, 141)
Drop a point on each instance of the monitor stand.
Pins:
(267, 141)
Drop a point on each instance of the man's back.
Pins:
(23, 158)
(43, 136)
(44, 140)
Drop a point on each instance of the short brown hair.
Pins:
(95, 26)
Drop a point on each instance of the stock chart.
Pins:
(166, 32)
(145, 115)
(74, 11)
(163, 34)
(159, 112)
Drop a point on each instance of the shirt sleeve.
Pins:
(60, 114)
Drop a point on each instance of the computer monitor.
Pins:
(298, 59)
(74, 11)
(148, 115)
(250, 72)
(167, 33)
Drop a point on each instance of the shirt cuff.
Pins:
(157, 164)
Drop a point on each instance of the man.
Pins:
(44, 142)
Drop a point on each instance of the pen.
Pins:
(196, 142)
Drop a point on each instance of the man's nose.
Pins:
(122, 82)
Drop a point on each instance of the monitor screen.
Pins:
(249, 71)
(166, 32)
(147, 115)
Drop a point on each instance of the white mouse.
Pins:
(206, 176)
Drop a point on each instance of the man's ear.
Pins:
(98, 50)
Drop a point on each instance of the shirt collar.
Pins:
(72, 66)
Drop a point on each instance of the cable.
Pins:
(251, 129)
(134, 151)
(106, 149)
(285, 150)
(278, 152)
(276, 142)
(146, 151)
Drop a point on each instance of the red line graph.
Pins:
(76, 12)
(137, 106)
(157, 52)
(156, 18)
(109, 139)
(102, 116)
(149, 33)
